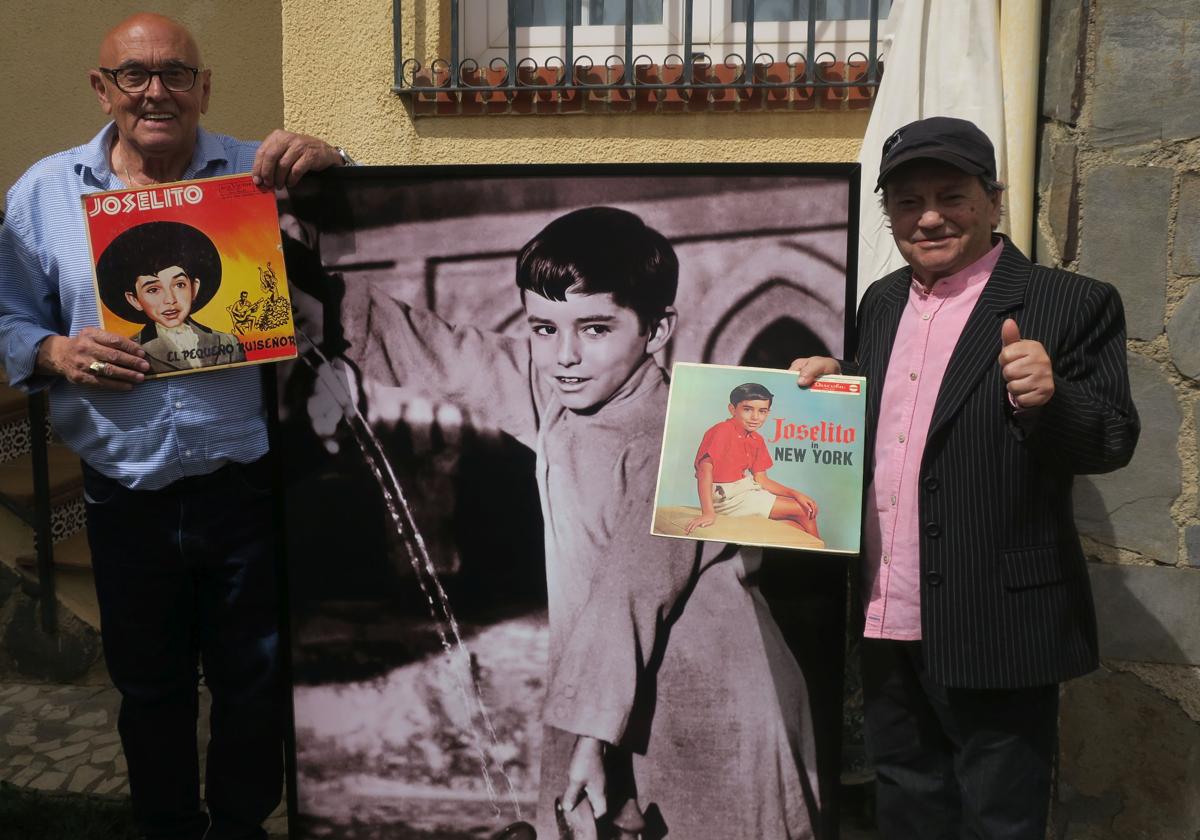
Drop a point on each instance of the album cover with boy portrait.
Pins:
(193, 272)
(750, 458)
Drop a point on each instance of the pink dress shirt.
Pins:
(920, 354)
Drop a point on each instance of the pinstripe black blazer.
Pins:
(1005, 598)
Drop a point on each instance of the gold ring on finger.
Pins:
(99, 368)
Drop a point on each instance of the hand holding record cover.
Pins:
(193, 272)
(750, 458)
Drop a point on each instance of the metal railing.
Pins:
(35, 510)
(630, 71)
(43, 532)
(38, 516)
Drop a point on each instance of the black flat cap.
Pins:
(959, 143)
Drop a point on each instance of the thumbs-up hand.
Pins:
(1026, 367)
(1009, 332)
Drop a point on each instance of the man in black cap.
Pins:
(992, 383)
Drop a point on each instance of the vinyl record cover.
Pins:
(193, 272)
(750, 458)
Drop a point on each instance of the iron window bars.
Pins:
(630, 74)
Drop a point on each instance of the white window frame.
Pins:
(484, 35)
(779, 37)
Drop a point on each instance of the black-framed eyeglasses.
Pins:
(136, 79)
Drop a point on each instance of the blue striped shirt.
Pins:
(163, 429)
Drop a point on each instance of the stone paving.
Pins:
(63, 739)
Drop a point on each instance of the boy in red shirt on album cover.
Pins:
(731, 469)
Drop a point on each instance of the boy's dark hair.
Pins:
(602, 250)
(750, 391)
(148, 248)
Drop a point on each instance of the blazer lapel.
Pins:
(883, 330)
(979, 344)
(881, 337)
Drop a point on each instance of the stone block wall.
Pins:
(1119, 199)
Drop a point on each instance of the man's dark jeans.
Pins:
(955, 763)
(185, 576)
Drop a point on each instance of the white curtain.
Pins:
(942, 59)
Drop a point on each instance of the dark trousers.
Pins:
(955, 763)
(808, 602)
(185, 577)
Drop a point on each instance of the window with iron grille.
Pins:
(560, 55)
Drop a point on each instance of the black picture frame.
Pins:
(426, 233)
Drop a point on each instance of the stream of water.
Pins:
(457, 654)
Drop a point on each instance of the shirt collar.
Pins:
(93, 163)
(645, 378)
(739, 429)
(974, 274)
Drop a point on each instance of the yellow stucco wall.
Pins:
(53, 43)
(337, 71)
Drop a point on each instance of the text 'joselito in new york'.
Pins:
(816, 434)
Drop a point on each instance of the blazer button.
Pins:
(932, 484)
(933, 530)
(933, 578)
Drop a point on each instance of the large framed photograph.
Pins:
(470, 438)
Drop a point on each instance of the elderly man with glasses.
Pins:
(178, 505)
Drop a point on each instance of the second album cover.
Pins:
(750, 458)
